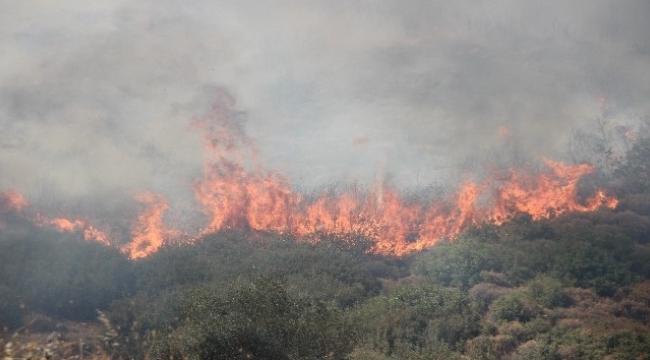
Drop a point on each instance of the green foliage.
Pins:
(485, 293)
(585, 265)
(64, 276)
(516, 306)
(536, 350)
(417, 317)
(261, 319)
(627, 344)
(457, 263)
(326, 271)
(634, 173)
(548, 292)
(570, 287)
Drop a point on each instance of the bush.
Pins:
(64, 276)
(417, 317)
(485, 293)
(514, 307)
(548, 292)
(536, 350)
(457, 263)
(261, 319)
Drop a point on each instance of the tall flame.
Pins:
(149, 233)
(235, 192)
(233, 196)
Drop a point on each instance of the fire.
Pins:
(630, 135)
(90, 233)
(150, 232)
(230, 195)
(11, 201)
(235, 192)
(551, 193)
(234, 196)
(504, 132)
(65, 224)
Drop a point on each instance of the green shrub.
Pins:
(536, 350)
(457, 263)
(417, 317)
(62, 275)
(514, 307)
(261, 319)
(548, 292)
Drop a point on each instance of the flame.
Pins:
(65, 224)
(11, 201)
(233, 195)
(235, 192)
(90, 233)
(630, 135)
(547, 194)
(149, 233)
(504, 132)
(230, 195)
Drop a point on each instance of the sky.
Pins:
(98, 95)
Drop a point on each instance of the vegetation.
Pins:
(573, 287)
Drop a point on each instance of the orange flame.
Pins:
(235, 192)
(149, 233)
(12, 201)
(90, 233)
(233, 197)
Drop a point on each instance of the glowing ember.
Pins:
(149, 233)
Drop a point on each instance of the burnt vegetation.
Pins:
(576, 286)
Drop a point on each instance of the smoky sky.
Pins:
(98, 95)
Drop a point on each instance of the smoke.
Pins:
(96, 97)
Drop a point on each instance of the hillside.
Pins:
(574, 286)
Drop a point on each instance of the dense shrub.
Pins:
(261, 319)
(62, 275)
(516, 306)
(634, 172)
(417, 316)
(457, 263)
(548, 292)
(325, 271)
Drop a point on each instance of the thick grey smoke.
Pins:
(97, 96)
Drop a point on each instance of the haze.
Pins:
(97, 96)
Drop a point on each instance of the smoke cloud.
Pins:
(98, 96)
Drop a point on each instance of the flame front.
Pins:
(236, 193)
(233, 196)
